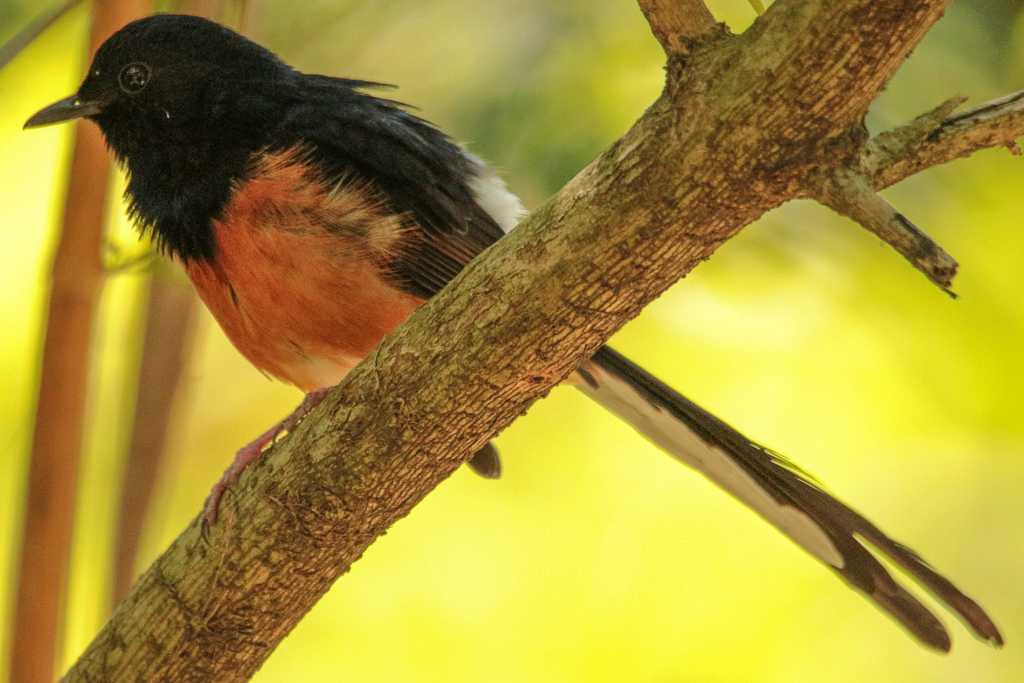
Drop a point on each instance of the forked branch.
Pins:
(933, 138)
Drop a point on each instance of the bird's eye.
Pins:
(134, 77)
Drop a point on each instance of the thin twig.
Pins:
(679, 24)
(852, 195)
(932, 140)
(936, 137)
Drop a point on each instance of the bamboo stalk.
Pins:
(77, 277)
(169, 322)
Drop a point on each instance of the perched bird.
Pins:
(314, 217)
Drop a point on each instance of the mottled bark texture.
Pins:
(745, 123)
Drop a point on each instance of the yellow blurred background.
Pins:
(596, 557)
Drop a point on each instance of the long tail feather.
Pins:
(782, 494)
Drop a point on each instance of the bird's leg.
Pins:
(253, 450)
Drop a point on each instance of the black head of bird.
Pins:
(183, 103)
(171, 78)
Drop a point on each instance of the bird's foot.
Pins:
(246, 455)
(252, 451)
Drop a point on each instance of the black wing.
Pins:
(418, 170)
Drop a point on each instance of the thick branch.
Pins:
(685, 178)
(858, 46)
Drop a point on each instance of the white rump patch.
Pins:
(494, 197)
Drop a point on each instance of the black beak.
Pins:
(67, 109)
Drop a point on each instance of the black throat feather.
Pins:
(180, 178)
(175, 203)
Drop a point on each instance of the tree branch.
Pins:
(851, 194)
(680, 24)
(931, 139)
(936, 138)
(689, 175)
(835, 81)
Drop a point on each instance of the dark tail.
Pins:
(486, 462)
(781, 493)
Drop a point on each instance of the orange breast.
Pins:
(297, 283)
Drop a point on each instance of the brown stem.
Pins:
(248, 17)
(56, 445)
(679, 24)
(170, 318)
(202, 8)
(851, 194)
(939, 137)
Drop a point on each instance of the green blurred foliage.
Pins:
(596, 557)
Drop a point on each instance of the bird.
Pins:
(314, 215)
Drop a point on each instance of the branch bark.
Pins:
(689, 175)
